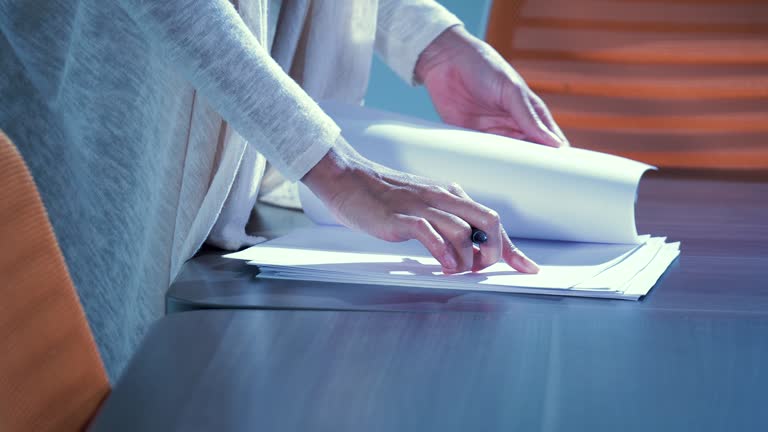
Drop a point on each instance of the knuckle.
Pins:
(492, 218)
(420, 225)
(455, 188)
(438, 191)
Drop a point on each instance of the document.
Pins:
(570, 210)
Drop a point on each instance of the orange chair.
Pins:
(51, 375)
(675, 83)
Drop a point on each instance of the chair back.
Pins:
(675, 83)
(51, 375)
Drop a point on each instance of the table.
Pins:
(692, 355)
(528, 369)
(723, 267)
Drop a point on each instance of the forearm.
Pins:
(327, 175)
(210, 45)
(405, 28)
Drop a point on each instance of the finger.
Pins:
(537, 130)
(413, 227)
(519, 105)
(487, 254)
(507, 132)
(476, 255)
(500, 124)
(476, 215)
(546, 116)
(457, 190)
(456, 232)
(515, 257)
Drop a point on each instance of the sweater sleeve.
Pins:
(210, 45)
(405, 28)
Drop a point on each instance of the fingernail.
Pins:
(529, 265)
(524, 263)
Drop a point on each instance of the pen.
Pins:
(479, 236)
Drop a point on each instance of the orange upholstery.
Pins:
(51, 375)
(679, 83)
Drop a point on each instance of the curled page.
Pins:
(540, 192)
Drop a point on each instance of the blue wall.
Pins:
(388, 92)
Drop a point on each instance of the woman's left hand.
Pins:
(473, 87)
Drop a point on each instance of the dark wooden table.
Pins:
(527, 370)
(723, 267)
(692, 355)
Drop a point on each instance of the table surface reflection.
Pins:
(244, 370)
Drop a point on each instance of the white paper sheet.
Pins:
(337, 254)
(540, 192)
(570, 210)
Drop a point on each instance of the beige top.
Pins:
(117, 108)
(327, 46)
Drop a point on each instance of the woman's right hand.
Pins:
(396, 206)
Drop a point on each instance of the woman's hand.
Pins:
(473, 87)
(396, 206)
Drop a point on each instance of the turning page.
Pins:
(539, 192)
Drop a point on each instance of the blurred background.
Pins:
(674, 83)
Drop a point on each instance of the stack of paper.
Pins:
(570, 210)
(337, 254)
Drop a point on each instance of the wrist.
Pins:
(441, 51)
(332, 170)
